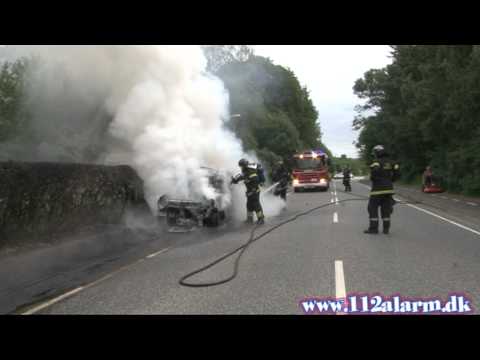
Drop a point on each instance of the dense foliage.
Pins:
(357, 166)
(13, 118)
(425, 107)
(277, 116)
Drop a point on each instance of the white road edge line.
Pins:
(53, 301)
(444, 219)
(471, 203)
(80, 288)
(456, 200)
(335, 217)
(437, 216)
(340, 291)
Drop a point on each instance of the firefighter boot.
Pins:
(373, 228)
(260, 217)
(386, 226)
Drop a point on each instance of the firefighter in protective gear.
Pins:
(282, 176)
(383, 173)
(252, 182)
(347, 175)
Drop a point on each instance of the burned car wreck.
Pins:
(183, 215)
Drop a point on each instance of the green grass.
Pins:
(415, 182)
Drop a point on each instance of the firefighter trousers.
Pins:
(385, 203)
(282, 192)
(253, 205)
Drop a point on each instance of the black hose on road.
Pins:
(252, 239)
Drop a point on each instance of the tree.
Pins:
(278, 115)
(219, 55)
(12, 87)
(425, 108)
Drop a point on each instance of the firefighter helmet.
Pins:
(243, 163)
(378, 150)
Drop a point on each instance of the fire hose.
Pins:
(267, 190)
(252, 238)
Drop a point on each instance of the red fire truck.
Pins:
(310, 171)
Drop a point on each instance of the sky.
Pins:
(329, 73)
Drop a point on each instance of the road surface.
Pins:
(429, 253)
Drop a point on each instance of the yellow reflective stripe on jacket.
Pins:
(375, 164)
(253, 175)
(382, 192)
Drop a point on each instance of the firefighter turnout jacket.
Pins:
(383, 173)
(250, 178)
(281, 175)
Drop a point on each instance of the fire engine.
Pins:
(310, 171)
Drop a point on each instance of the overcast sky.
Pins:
(329, 72)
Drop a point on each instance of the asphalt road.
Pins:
(322, 255)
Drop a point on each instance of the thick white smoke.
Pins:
(168, 115)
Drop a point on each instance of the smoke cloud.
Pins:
(152, 107)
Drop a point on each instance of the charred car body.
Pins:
(183, 215)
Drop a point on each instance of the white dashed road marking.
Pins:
(340, 291)
(156, 253)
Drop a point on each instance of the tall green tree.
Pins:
(425, 108)
(219, 55)
(278, 117)
(13, 117)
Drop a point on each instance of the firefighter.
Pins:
(282, 176)
(250, 176)
(347, 174)
(383, 173)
